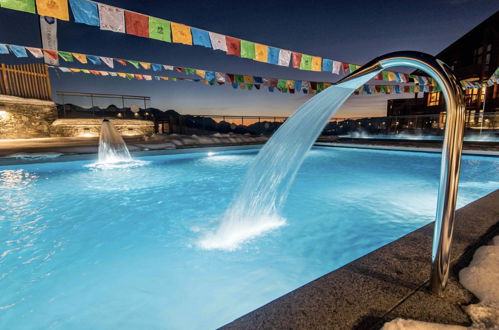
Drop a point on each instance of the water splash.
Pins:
(113, 152)
(257, 207)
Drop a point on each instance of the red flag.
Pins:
(179, 69)
(138, 76)
(346, 68)
(137, 24)
(122, 62)
(296, 60)
(52, 54)
(233, 46)
(231, 77)
(379, 76)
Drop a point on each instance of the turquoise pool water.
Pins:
(86, 248)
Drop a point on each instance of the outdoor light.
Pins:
(4, 115)
(210, 153)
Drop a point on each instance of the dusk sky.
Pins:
(350, 31)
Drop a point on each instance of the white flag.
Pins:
(218, 41)
(36, 52)
(284, 57)
(111, 18)
(108, 61)
(48, 30)
(336, 67)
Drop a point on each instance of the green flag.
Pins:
(159, 29)
(134, 63)
(320, 86)
(411, 88)
(247, 49)
(68, 57)
(250, 86)
(190, 71)
(21, 5)
(306, 62)
(385, 76)
(239, 78)
(352, 67)
(281, 83)
(129, 76)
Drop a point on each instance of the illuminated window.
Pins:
(433, 99)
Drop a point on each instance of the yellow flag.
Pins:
(82, 58)
(316, 63)
(146, 65)
(181, 33)
(53, 8)
(261, 53)
(75, 70)
(248, 79)
(391, 76)
(290, 84)
(122, 75)
(201, 73)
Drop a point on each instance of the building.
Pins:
(474, 57)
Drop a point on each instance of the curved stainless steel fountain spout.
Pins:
(451, 152)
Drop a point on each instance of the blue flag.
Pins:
(19, 51)
(367, 89)
(200, 38)
(257, 80)
(156, 67)
(3, 49)
(271, 89)
(85, 12)
(210, 76)
(234, 85)
(298, 85)
(94, 59)
(327, 65)
(397, 89)
(273, 57)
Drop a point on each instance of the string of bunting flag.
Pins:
(125, 21)
(23, 51)
(250, 82)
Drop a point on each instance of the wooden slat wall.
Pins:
(26, 80)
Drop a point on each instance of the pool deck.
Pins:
(389, 282)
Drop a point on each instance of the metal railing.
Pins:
(26, 80)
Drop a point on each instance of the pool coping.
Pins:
(387, 283)
(404, 148)
(6, 161)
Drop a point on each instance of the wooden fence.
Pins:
(26, 80)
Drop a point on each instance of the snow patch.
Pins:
(403, 324)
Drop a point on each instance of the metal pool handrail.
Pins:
(451, 151)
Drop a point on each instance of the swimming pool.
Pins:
(86, 248)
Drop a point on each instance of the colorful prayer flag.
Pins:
(145, 65)
(82, 58)
(51, 54)
(220, 77)
(296, 60)
(297, 85)
(21, 5)
(19, 51)
(159, 29)
(273, 57)
(327, 65)
(4, 49)
(68, 57)
(247, 49)
(218, 41)
(248, 79)
(156, 67)
(181, 33)
(108, 61)
(352, 67)
(261, 53)
(48, 32)
(316, 63)
(391, 76)
(233, 46)
(94, 59)
(385, 76)
(134, 63)
(284, 57)
(111, 18)
(53, 8)
(200, 38)
(36, 52)
(290, 84)
(346, 68)
(168, 67)
(306, 62)
(137, 24)
(122, 62)
(337, 67)
(85, 12)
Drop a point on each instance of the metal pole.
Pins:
(451, 151)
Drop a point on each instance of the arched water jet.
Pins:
(256, 208)
(112, 147)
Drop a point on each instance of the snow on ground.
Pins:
(481, 277)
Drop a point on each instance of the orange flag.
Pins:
(82, 58)
(53, 8)
(146, 65)
(316, 63)
(181, 33)
(261, 53)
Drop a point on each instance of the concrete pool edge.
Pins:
(387, 283)
(5, 161)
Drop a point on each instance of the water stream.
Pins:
(257, 206)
